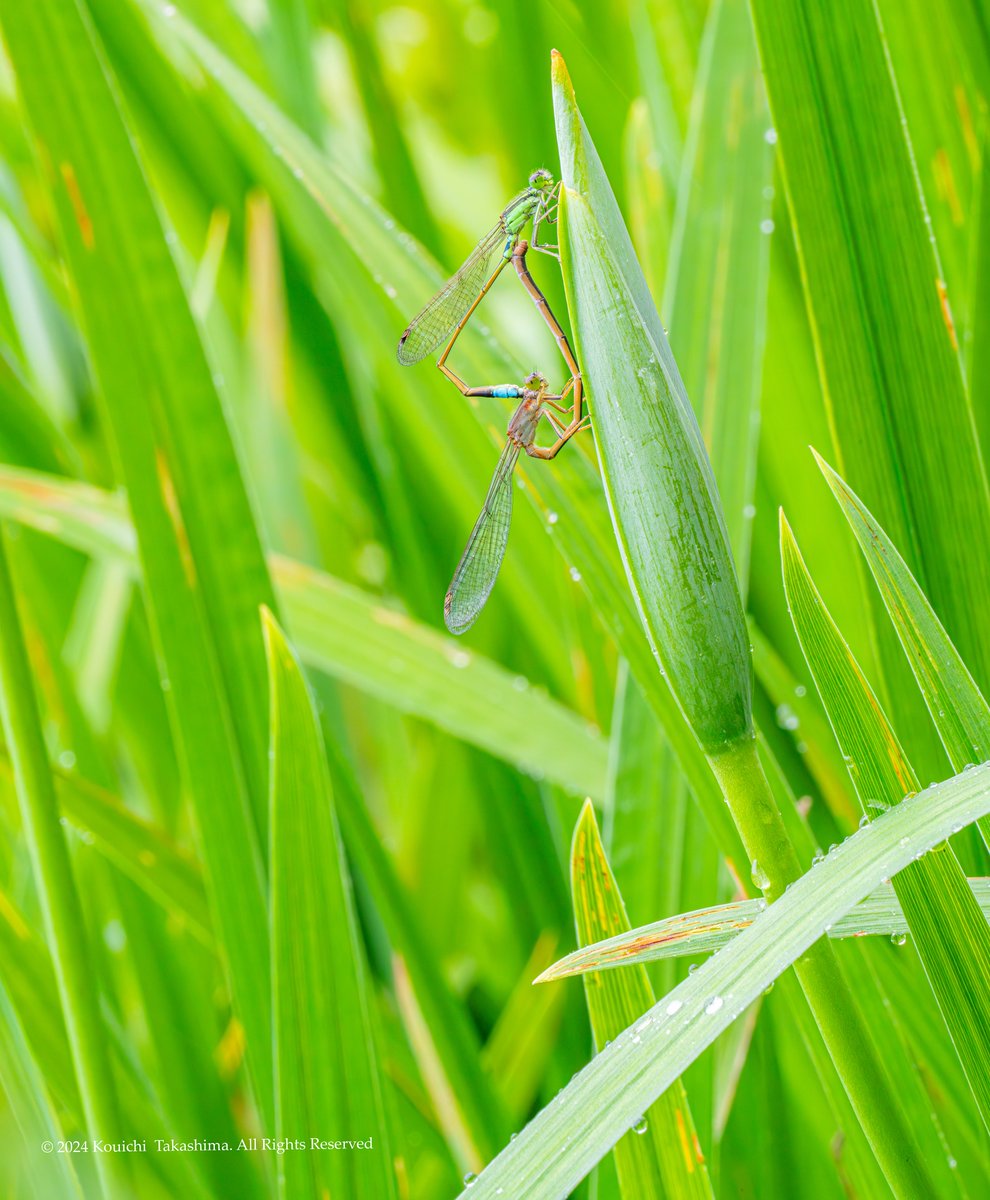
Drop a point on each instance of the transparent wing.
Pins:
(437, 320)
(476, 572)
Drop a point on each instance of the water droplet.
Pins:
(786, 717)
(800, 691)
(766, 226)
(674, 1006)
(714, 1005)
(470, 1179)
(770, 137)
(575, 574)
(819, 857)
(952, 1163)
(460, 659)
(749, 512)
(114, 936)
(552, 518)
(759, 876)
(898, 939)
(692, 968)
(864, 820)
(67, 760)
(520, 683)
(640, 1126)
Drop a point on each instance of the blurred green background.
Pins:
(315, 169)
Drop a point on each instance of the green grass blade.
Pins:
(326, 1070)
(885, 338)
(958, 709)
(715, 301)
(48, 1175)
(949, 929)
(202, 566)
(707, 930)
(657, 476)
(660, 1156)
(567, 1138)
(65, 928)
(355, 638)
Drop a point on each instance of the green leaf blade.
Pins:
(660, 1155)
(326, 1070)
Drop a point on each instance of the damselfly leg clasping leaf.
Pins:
(451, 307)
(479, 566)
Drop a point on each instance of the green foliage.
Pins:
(258, 884)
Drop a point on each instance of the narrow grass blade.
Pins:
(570, 1135)
(703, 932)
(65, 927)
(882, 319)
(203, 570)
(326, 1069)
(475, 1110)
(660, 1156)
(715, 301)
(949, 929)
(959, 711)
(47, 1175)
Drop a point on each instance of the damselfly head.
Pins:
(541, 179)
(536, 382)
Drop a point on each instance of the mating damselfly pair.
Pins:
(443, 318)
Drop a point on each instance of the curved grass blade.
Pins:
(660, 1156)
(438, 319)
(557, 1149)
(950, 931)
(707, 930)
(479, 566)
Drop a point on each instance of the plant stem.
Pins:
(65, 928)
(843, 1028)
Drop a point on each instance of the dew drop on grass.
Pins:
(759, 876)
(460, 659)
(640, 1126)
(552, 518)
(674, 1006)
(575, 574)
(714, 1005)
(470, 1179)
(898, 939)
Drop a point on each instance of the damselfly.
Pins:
(450, 308)
(479, 566)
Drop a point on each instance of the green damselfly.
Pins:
(447, 313)
(479, 565)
